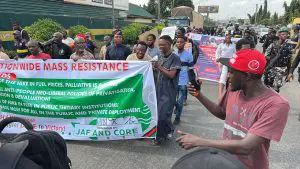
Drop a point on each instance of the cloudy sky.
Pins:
(233, 8)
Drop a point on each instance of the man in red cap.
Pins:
(254, 114)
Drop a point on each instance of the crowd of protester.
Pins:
(254, 114)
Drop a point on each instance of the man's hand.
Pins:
(192, 89)
(290, 77)
(189, 141)
(155, 65)
(16, 58)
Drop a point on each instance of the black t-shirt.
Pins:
(117, 52)
(60, 51)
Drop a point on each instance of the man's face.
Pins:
(80, 46)
(179, 33)
(16, 27)
(228, 39)
(140, 51)
(180, 43)
(164, 46)
(246, 35)
(150, 41)
(106, 40)
(283, 35)
(235, 79)
(33, 48)
(118, 39)
(270, 31)
(57, 38)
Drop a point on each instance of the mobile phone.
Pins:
(193, 78)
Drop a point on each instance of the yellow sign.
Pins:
(6, 35)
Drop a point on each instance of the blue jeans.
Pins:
(181, 95)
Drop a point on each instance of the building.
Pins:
(139, 15)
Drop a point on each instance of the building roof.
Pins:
(55, 8)
(139, 12)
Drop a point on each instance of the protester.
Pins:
(247, 36)
(80, 51)
(117, 51)
(107, 41)
(224, 50)
(36, 52)
(254, 114)
(56, 48)
(296, 39)
(268, 39)
(24, 35)
(89, 42)
(67, 40)
(237, 33)
(186, 59)
(152, 50)
(166, 71)
(279, 56)
(254, 36)
(140, 54)
(20, 44)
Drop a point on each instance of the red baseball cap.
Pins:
(248, 61)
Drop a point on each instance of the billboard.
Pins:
(119, 4)
(208, 9)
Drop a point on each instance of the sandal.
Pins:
(155, 142)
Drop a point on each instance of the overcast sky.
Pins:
(234, 8)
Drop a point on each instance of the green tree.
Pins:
(78, 29)
(291, 11)
(152, 7)
(43, 29)
(188, 3)
(265, 10)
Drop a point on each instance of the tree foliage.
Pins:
(292, 11)
(78, 29)
(43, 29)
(131, 32)
(166, 6)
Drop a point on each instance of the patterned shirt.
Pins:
(284, 50)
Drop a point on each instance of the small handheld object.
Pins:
(193, 78)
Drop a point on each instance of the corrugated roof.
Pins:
(137, 11)
(54, 7)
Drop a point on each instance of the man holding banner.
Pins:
(166, 73)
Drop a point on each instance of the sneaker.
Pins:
(176, 121)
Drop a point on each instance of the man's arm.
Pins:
(215, 109)
(244, 146)
(171, 74)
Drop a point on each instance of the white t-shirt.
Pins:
(225, 51)
(68, 41)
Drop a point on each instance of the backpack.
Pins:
(45, 149)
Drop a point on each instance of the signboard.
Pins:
(83, 100)
(119, 4)
(206, 66)
(171, 31)
(208, 9)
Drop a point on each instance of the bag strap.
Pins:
(9, 120)
(10, 154)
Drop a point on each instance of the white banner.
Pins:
(83, 100)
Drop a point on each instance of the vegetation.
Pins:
(264, 17)
(78, 29)
(43, 29)
(131, 32)
(166, 6)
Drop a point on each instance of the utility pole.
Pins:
(158, 10)
(173, 4)
(113, 11)
(256, 14)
